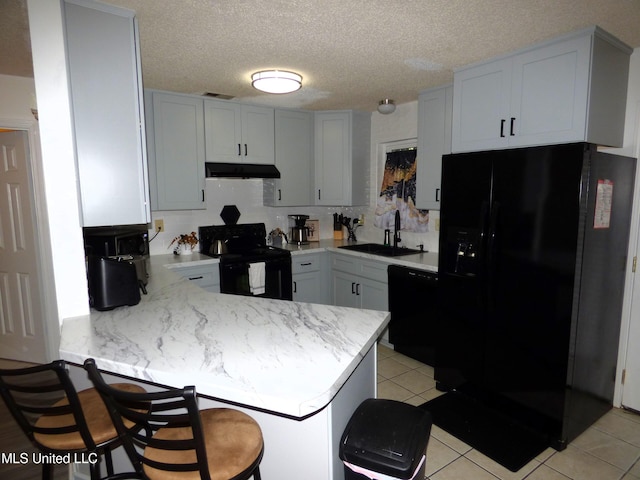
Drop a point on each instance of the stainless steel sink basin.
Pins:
(383, 250)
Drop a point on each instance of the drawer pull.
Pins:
(196, 278)
(306, 264)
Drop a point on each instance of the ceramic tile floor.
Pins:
(610, 449)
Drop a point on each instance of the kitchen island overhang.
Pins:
(301, 363)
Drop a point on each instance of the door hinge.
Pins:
(635, 263)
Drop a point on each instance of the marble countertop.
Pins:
(286, 357)
(424, 261)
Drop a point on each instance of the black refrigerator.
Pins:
(532, 261)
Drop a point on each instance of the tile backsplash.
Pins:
(247, 195)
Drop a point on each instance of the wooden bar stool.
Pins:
(176, 441)
(59, 420)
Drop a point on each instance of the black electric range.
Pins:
(248, 265)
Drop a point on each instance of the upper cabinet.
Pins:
(175, 141)
(106, 94)
(567, 90)
(342, 146)
(239, 133)
(435, 108)
(294, 160)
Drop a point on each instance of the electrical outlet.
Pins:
(159, 223)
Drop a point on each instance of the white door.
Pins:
(21, 320)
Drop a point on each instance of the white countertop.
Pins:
(285, 357)
(424, 261)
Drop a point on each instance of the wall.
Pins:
(247, 195)
(58, 158)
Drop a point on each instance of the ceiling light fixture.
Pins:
(276, 81)
(386, 106)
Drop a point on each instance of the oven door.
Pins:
(234, 278)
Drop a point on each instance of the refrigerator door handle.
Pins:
(492, 240)
(484, 226)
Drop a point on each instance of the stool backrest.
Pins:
(175, 411)
(32, 392)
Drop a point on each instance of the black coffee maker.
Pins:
(300, 231)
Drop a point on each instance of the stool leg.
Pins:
(47, 471)
(109, 462)
(256, 474)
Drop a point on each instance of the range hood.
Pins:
(240, 170)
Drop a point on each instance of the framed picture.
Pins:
(314, 230)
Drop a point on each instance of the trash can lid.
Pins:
(386, 436)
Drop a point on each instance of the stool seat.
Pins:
(60, 420)
(172, 439)
(233, 441)
(98, 420)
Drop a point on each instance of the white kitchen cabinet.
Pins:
(359, 283)
(569, 89)
(342, 146)
(106, 95)
(239, 133)
(205, 276)
(310, 281)
(435, 109)
(294, 160)
(175, 141)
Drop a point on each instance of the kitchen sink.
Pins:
(383, 250)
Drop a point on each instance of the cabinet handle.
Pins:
(353, 288)
(319, 194)
(295, 287)
(239, 150)
(357, 289)
(196, 278)
(279, 194)
(437, 194)
(502, 128)
(203, 194)
(246, 151)
(513, 121)
(305, 264)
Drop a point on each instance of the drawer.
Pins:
(373, 270)
(305, 263)
(202, 276)
(345, 263)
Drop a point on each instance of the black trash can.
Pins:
(385, 439)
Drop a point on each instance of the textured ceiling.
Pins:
(351, 53)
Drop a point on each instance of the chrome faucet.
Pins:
(396, 232)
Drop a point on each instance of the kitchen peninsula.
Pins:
(299, 369)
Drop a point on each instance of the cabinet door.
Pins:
(106, 94)
(344, 289)
(294, 158)
(550, 92)
(373, 295)
(223, 131)
(258, 144)
(333, 158)
(306, 287)
(435, 109)
(481, 107)
(178, 127)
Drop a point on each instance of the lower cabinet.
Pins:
(205, 276)
(309, 278)
(359, 283)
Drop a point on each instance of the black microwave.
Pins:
(111, 241)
